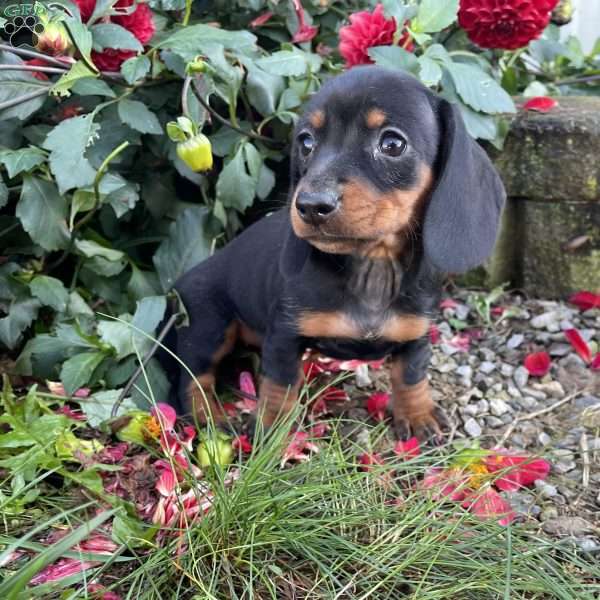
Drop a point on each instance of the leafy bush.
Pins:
(100, 215)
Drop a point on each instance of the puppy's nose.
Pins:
(316, 207)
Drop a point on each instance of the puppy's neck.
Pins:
(374, 282)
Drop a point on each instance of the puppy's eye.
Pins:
(392, 144)
(306, 142)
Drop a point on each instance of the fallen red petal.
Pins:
(446, 483)
(434, 334)
(489, 504)
(334, 394)
(65, 567)
(242, 442)
(585, 300)
(166, 414)
(408, 449)
(377, 404)
(299, 448)
(515, 471)
(261, 19)
(448, 303)
(461, 341)
(246, 383)
(595, 365)
(538, 363)
(367, 459)
(540, 104)
(580, 345)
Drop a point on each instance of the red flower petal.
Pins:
(367, 459)
(38, 62)
(246, 383)
(538, 363)
(76, 415)
(580, 345)
(596, 362)
(334, 394)
(448, 303)
(540, 104)
(319, 430)
(434, 334)
(462, 341)
(242, 443)
(298, 448)
(65, 567)
(165, 414)
(585, 300)
(377, 404)
(312, 369)
(515, 471)
(261, 19)
(446, 483)
(408, 449)
(489, 504)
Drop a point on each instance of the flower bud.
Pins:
(196, 153)
(215, 450)
(54, 40)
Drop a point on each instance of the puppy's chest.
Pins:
(369, 311)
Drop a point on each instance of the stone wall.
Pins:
(549, 242)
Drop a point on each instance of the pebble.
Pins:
(448, 349)
(483, 406)
(487, 367)
(546, 490)
(513, 390)
(494, 422)
(515, 341)
(462, 311)
(527, 402)
(549, 513)
(499, 407)
(551, 388)
(560, 349)
(472, 427)
(534, 393)
(507, 370)
(362, 377)
(521, 376)
(447, 366)
(549, 321)
(544, 439)
(588, 544)
(587, 402)
(575, 526)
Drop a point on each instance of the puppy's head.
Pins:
(377, 156)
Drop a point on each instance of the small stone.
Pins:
(499, 407)
(487, 354)
(447, 366)
(494, 422)
(445, 330)
(527, 402)
(471, 409)
(513, 391)
(521, 377)
(448, 349)
(549, 513)
(545, 489)
(575, 526)
(544, 439)
(534, 393)
(588, 544)
(564, 466)
(507, 370)
(559, 349)
(487, 367)
(362, 377)
(462, 311)
(515, 340)
(551, 388)
(549, 320)
(483, 407)
(472, 427)
(587, 402)
(566, 324)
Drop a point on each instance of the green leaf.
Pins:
(118, 335)
(430, 71)
(196, 39)
(3, 194)
(131, 531)
(14, 84)
(479, 125)
(264, 90)
(435, 15)
(43, 213)
(187, 245)
(143, 283)
(235, 188)
(111, 35)
(148, 315)
(135, 68)
(478, 90)
(400, 12)
(90, 249)
(81, 36)
(21, 313)
(68, 142)
(77, 72)
(50, 291)
(78, 370)
(98, 406)
(90, 86)
(394, 57)
(23, 159)
(284, 62)
(139, 117)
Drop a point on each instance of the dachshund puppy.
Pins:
(388, 194)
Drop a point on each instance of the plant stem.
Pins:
(586, 79)
(188, 12)
(24, 98)
(31, 68)
(224, 121)
(185, 108)
(23, 52)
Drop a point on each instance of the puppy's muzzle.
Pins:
(315, 208)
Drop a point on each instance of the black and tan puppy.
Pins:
(388, 193)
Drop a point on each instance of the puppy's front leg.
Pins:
(281, 380)
(414, 411)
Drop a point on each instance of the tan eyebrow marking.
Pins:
(317, 119)
(375, 118)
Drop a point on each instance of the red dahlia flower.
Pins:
(583, 300)
(365, 31)
(139, 22)
(505, 24)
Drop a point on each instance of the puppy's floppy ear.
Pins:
(464, 208)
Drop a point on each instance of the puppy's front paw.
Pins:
(428, 424)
